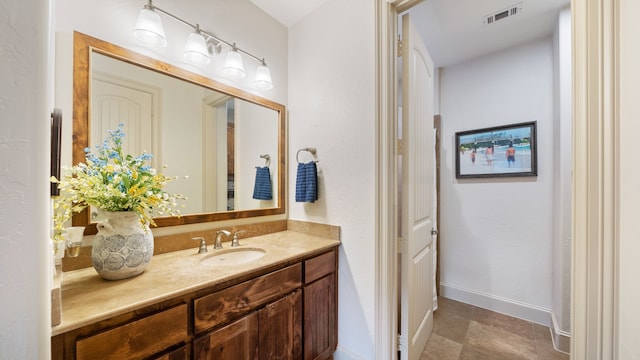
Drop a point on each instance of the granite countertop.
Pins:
(87, 298)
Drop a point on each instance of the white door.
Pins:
(114, 102)
(417, 183)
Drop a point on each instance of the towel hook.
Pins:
(267, 159)
(307, 149)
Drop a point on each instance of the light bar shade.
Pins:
(262, 80)
(196, 50)
(233, 66)
(149, 29)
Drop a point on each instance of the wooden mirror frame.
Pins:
(83, 45)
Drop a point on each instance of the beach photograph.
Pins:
(498, 151)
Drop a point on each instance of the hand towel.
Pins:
(262, 189)
(307, 182)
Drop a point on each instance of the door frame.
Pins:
(386, 336)
(594, 278)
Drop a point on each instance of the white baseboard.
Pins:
(498, 304)
(561, 339)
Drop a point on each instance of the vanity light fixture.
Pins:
(263, 78)
(233, 66)
(200, 46)
(149, 29)
(195, 50)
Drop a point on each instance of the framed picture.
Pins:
(56, 138)
(499, 151)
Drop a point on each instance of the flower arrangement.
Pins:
(112, 181)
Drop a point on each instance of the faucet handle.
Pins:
(236, 242)
(202, 249)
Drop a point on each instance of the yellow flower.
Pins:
(113, 182)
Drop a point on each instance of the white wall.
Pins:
(331, 107)
(25, 110)
(563, 171)
(628, 311)
(496, 244)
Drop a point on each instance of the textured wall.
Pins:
(25, 257)
(331, 107)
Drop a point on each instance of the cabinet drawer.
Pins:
(224, 305)
(319, 266)
(137, 339)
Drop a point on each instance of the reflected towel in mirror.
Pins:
(307, 182)
(262, 189)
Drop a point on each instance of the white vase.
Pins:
(123, 246)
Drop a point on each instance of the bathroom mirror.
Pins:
(211, 135)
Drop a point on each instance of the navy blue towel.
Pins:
(262, 189)
(307, 182)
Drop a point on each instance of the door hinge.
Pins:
(402, 343)
(399, 46)
(400, 147)
(399, 245)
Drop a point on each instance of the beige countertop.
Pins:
(87, 298)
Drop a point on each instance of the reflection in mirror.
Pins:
(210, 132)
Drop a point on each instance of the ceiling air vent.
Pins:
(503, 14)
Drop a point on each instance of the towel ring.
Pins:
(307, 149)
(267, 159)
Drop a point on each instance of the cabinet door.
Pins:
(281, 328)
(236, 341)
(320, 318)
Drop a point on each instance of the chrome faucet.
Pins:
(219, 233)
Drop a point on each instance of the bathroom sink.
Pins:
(232, 257)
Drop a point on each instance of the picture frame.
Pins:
(499, 151)
(56, 142)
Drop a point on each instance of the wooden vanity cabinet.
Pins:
(272, 332)
(287, 314)
(320, 306)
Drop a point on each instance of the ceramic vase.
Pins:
(123, 246)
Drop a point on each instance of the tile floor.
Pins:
(466, 332)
